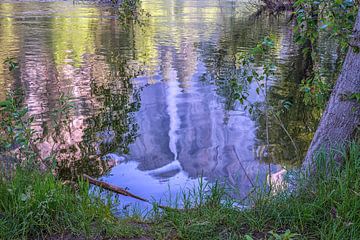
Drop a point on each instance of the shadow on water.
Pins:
(152, 104)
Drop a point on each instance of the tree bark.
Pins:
(340, 119)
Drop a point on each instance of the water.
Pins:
(153, 110)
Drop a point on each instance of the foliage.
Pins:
(326, 206)
(130, 12)
(287, 235)
(249, 74)
(260, 76)
(15, 130)
(11, 63)
(328, 18)
(316, 90)
(355, 96)
(36, 205)
(19, 139)
(335, 18)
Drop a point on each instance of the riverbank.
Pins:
(36, 205)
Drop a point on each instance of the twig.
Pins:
(287, 133)
(247, 176)
(267, 128)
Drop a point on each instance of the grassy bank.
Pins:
(327, 206)
(38, 206)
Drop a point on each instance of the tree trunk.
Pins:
(340, 119)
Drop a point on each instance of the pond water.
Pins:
(153, 110)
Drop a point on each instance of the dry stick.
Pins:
(247, 176)
(267, 128)
(117, 189)
(287, 133)
(112, 188)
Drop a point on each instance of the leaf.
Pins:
(247, 237)
(5, 103)
(24, 197)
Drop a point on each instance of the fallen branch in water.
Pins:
(112, 188)
(118, 190)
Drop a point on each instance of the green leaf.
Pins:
(247, 237)
(24, 197)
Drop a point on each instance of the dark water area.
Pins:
(152, 105)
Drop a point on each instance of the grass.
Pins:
(36, 205)
(326, 206)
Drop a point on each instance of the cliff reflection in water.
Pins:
(152, 106)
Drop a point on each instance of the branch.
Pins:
(119, 190)
(112, 188)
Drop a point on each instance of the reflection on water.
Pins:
(152, 105)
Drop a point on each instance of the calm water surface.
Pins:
(153, 107)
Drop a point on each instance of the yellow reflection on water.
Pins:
(73, 37)
(8, 41)
(181, 26)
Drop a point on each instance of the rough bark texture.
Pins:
(340, 120)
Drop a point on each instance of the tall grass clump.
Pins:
(36, 205)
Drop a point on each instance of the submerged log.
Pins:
(112, 188)
(120, 191)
